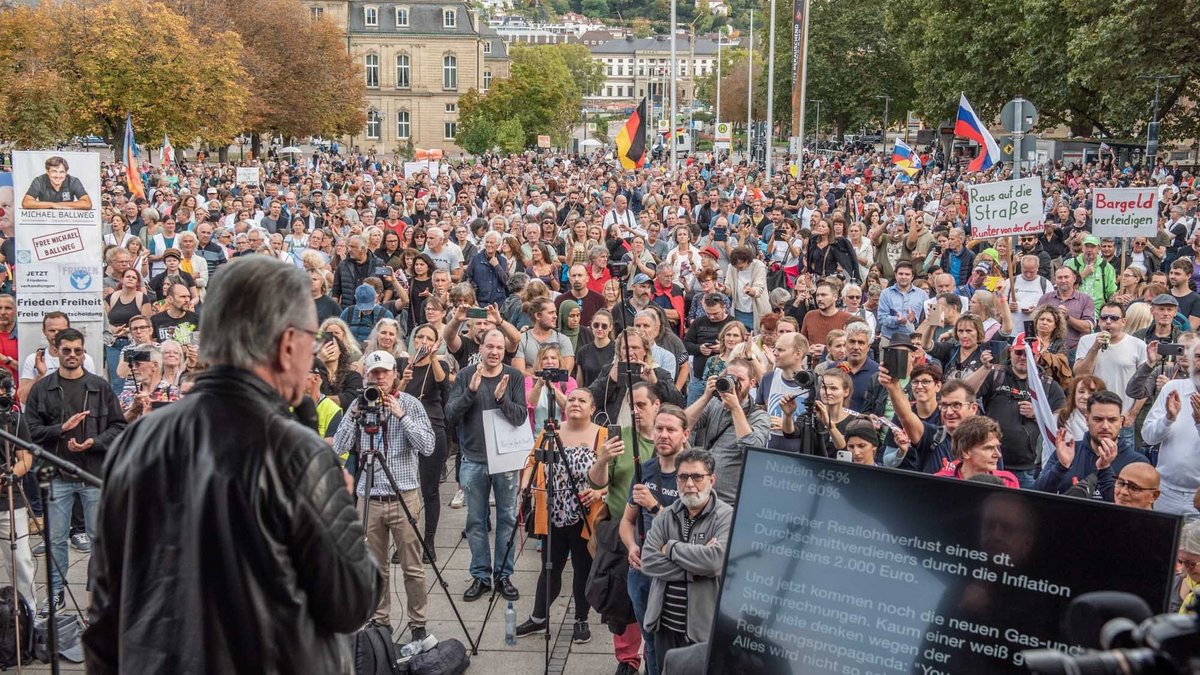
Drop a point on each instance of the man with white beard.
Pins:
(683, 555)
(1179, 452)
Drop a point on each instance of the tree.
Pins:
(540, 95)
(587, 72)
(595, 8)
(97, 63)
(510, 137)
(304, 81)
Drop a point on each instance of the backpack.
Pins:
(607, 592)
(361, 323)
(10, 621)
(374, 651)
(448, 657)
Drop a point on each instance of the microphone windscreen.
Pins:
(306, 412)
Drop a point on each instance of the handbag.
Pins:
(776, 277)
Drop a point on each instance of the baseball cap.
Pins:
(1165, 299)
(1091, 240)
(377, 360)
(640, 278)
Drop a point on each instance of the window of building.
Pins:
(451, 108)
(372, 68)
(449, 72)
(316, 12)
(403, 71)
(487, 47)
(449, 18)
(372, 124)
(371, 16)
(450, 130)
(403, 124)
(401, 17)
(487, 80)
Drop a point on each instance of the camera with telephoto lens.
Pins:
(8, 397)
(139, 354)
(618, 268)
(371, 399)
(1166, 644)
(551, 374)
(725, 384)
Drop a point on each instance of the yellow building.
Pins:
(416, 58)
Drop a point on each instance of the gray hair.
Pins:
(243, 317)
(697, 455)
(1189, 538)
(854, 328)
(493, 235)
(779, 297)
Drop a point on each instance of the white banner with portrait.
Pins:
(59, 262)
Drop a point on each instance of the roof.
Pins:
(658, 43)
(424, 18)
(499, 46)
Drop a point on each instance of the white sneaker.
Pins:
(492, 499)
(457, 502)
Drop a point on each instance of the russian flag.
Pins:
(904, 157)
(969, 126)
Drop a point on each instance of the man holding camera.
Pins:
(391, 422)
(725, 421)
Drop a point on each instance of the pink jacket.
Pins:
(953, 470)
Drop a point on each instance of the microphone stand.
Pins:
(9, 422)
(53, 464)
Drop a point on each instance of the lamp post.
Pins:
(817, 126)
(1152, 131)
(886, 102)
(750, 88)
(674, 74)
(770, 91)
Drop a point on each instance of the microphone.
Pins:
(1087, 615)
(306, 413)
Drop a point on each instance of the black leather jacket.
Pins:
(227, 542)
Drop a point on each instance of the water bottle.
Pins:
(510, 625)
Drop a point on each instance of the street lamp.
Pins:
(750, 89)
(817, 126)
(1152, 131)
(770, 90)
(886, 102)
(674, 74)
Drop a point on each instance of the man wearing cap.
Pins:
(1097, 278)
(404, 433)
(172, 275)
(1162, 329)
(1006, 399)
(1113, 356)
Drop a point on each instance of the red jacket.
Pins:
(954, 470)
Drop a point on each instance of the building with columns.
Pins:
(416, 59)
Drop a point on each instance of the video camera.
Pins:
(1131, 641)
(618, 268)
(8, 399)
(138, 354)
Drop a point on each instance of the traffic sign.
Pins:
(664, 125)
(1009, 147)
(724, 131)
(1018, 115)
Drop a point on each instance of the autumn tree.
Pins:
(36, 101)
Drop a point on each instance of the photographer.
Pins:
(1006, 399)
(147, 385)
(404, 433)
(725, 421)
(17, 555)
(609, 388)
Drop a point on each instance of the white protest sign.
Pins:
(508, 446)
(59, 247)
(1005, 208)
(1125, 212)
(247, 175)
(413, 168)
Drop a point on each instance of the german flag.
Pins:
(631, 139)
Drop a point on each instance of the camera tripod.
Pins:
(547, 455)
(54, 467)
(371, 420)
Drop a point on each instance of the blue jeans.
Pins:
(747, 318)
(112, 357)
(1025, 478)
(638, 585)
(1124, 440)
(695, 389)
(60, 523)
(476, 483)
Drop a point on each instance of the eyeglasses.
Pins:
(318, 336)
(1122, 484)
(922, 383)
(70, 350)
(691, 477)
(600, 326)
(1110, 317)
(952, 405)
(1189, 565)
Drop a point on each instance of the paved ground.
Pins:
(454, 557)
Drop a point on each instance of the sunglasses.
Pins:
(70, 350)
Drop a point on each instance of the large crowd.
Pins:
(746, 310)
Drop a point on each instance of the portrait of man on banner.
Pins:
(56, 189)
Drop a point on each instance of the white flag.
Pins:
(1046, 421)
